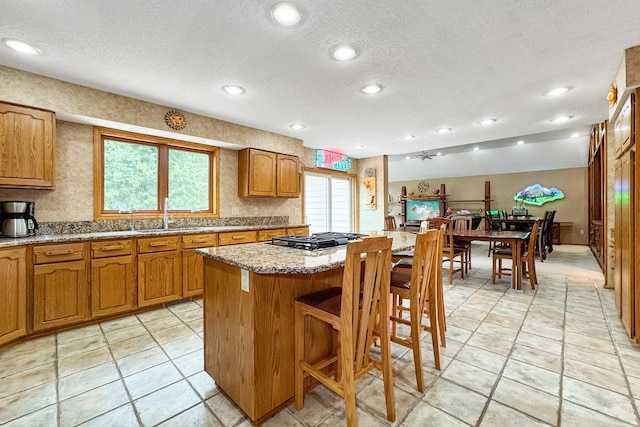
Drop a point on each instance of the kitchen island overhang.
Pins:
(249, 295)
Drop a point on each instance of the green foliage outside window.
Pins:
(130, 176)
(188, 180)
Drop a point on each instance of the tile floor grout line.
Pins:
(121, 377)
(562, 351)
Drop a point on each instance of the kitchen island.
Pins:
(249, 295)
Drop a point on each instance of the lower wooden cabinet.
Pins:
(159, 270)
(60, 285)
(13, 301)
(113, 277)
(192, 263)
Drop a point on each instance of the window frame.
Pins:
(163, 145)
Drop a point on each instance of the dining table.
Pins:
(518, 222)
(514, 238)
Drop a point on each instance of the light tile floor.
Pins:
(555, 356)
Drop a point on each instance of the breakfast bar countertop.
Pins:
(265, 258)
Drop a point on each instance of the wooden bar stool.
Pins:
(420, 289)
(359, 313)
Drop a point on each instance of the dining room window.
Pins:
(137, 172)
(329, 202)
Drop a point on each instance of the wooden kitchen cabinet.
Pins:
(13, 301)
(298, 231)
(237, 237)
(27, 138)
(266, 235)
(267, 174)
(159, 270)
(60, 286)
(192, 263)
(288, 181)
(113, 277)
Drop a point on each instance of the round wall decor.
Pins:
(423, 187)
(175, 120)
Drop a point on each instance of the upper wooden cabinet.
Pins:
(266, 174)
(27, 147)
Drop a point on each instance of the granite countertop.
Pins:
(265, 258)
(81, 237)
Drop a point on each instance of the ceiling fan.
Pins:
(426, 155)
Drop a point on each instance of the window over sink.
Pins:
(137, 172)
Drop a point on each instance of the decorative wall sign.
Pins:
(538, 195)
(331, 160)
(369, 182)
(175, 120)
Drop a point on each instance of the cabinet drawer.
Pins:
(111, 248)
(266, 235)
(199, 240)
(158, 244)
(298, 231)
(58, 253)
(238, 237)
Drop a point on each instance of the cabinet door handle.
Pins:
(156, 244)
(238, 237)
(112, 248)
(59, 252)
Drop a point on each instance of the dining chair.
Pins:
(495, 224)
(449, 250)
(541, 244)
(356, 312)
(419, 288)
(462, 224)
(405, 265)
(528, 258)
(390, 223)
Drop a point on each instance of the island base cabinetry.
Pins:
(249, 333)
(13, 302)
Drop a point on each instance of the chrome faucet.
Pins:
(165, 220)
(130, 212)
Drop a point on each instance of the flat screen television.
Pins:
(420, 210)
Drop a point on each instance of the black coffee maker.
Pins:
(17, 219)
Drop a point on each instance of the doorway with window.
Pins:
(329, 202)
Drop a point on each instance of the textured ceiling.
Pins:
(442, 63)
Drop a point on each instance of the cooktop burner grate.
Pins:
(315, 241)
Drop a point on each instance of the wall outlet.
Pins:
(255, 211)
(296, 211)
(235, 210)
(581, 231)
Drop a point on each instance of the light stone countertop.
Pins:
(81, 237)
(265, 258)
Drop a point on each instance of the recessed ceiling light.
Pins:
(438, 154)
(20, 46)
(408, 137)
(521, 142)
(476, 148)
(556, 91)
(233, 89)
(407, 158)
(285, 13)
(561, 119)
(297, 126)
(359, 147)
(443, 130)
(486, 122)
(575, 135)
(344, 53)
(372, 89)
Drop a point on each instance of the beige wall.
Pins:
(72, 199)
(572, 182)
